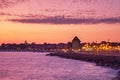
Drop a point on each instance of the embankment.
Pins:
(102, 59)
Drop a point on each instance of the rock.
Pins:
(116, 78)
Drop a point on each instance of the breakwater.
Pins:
(108, 60)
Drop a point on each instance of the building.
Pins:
(76, 44)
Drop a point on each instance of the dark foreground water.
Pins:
(37, 66)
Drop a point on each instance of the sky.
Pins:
(56, 21)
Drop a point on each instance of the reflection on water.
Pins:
(37, 66)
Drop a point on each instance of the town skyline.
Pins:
(31, 42)
(74, 45)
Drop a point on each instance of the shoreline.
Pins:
(105, 59)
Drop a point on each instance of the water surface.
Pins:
(37, 66)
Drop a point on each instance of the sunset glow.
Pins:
(39, 21)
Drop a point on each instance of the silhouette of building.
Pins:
(76, 44)
(26, 43)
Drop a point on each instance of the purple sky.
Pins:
(55, 11)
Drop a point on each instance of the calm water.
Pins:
(37, 66)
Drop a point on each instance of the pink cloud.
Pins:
(45, 11)
(7, 3)
(65, 20)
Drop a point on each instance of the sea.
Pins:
(38, 66)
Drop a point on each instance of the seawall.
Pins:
(107, 59)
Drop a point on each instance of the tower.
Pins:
(76, 43)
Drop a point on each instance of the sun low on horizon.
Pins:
(56, 21)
